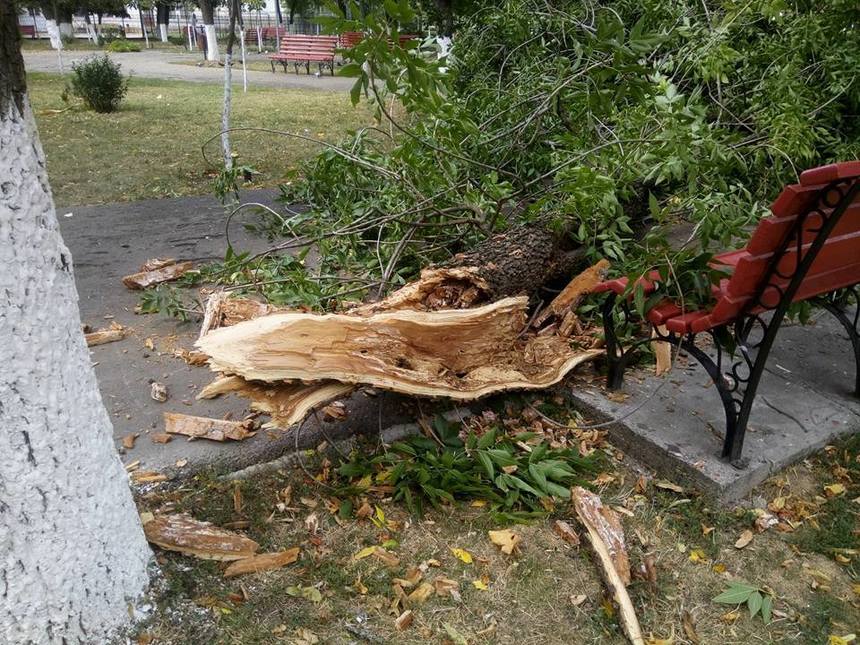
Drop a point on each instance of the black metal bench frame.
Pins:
(753, 331)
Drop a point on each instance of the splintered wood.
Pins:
(203, 428)
(437, 336)
(109, 334)
(606, 536)
(460, 354)
(186, 535)
(164, 271)
(262, 562)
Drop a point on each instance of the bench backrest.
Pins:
(782, 242)
(350, 39)
(299, 41)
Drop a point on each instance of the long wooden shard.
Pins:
(460, 354)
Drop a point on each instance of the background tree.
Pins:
(162, 17)
(207, 11)
(72, 552)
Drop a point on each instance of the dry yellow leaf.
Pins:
(719, 567)
(421, 594)
(365, 552)
(697, 555)
(506, 539)
(359, 586)
(834, 490)
(462, 554)
(480, 585)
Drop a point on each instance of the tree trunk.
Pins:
(278, 15)
(72, 552)
(446, 17)
(207, 10)
(233, 9)
(162, 17)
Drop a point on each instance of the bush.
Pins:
(99, 82)
(109, 33)
(121, 45)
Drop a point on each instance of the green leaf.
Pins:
(735, 594)
(487, 463)
(766, 608)
(350, 69)
(754, 603)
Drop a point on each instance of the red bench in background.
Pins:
(27, 30)
(298, 49)
(807, 249)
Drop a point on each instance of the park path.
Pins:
(161, 64)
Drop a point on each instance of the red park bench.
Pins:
(298, 49)
(808, 249)
(27, 30)
(350, 39)
(267, 34)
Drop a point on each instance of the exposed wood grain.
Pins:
(167, 273)
(607, 539)
(204, 428)
(460, 354)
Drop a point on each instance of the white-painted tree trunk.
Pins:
(53, 33)
(72, 552)
(162, 30)
(225, 111)
(211, 43)
(66, 29)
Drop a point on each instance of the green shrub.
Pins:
(109, 33)
(121, 45)
(177, 40)
(99, 82)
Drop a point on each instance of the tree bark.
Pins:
(233, 9)
(207, 10)
(162, 17)
(72, 552)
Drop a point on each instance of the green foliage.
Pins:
(120, 45)
(98, 81)
(757, 600)
(109, 33)
(456, 465)
(606, 119)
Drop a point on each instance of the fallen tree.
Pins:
(432, 338)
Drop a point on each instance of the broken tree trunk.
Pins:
(459, 354)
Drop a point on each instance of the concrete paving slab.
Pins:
(110, 241)
(805, 400)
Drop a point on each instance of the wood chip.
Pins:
(204, 428)
(576, 289)
(155, 264)
(565, 531)
(262, 562)
(662, 352)
(744, 539)
(158, 392)
(202, 540)
(109, 334)
(191, 357)
(160, 437)
(145, 279)
(404, 620)
(148, 477)
(421, 594)
(128, 441)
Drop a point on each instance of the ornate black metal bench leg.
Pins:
(832, 304)
(617, 357)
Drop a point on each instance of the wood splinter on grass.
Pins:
(204, 428)
(203, 540)
(262, 562)
(607, 539)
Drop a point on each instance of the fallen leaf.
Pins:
(667, 485)
(776, 504)
(505, 539)
(719, 568)
(387, 557)
(841, 640)
(446, 587)
(576, 601)
(365, 552)
(744, 539)
(421, 594)
(181, 463)
(149, 344)
(698, 556)
(262, 562)
(689, 627)
(456, 637)
(312, 524)
(304, 636)
(834, 490)
(310, 593)
(359, 586)
(462, 554)
(480, 584)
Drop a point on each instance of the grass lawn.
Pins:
(682, 549)
(150, 148)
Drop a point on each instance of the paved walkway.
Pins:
(161, 64)
(112, 240)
